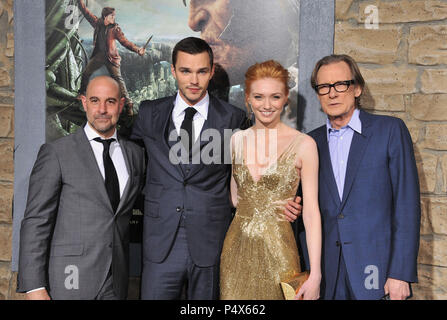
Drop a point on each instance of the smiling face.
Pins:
(193, 73)
(339, 106)
(267, 97)
(103, 105)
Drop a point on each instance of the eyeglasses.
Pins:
(339, 86)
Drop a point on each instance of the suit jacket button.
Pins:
(337, 243)
(178, 209)
(185, 183)
(110, 245)
(340, 216)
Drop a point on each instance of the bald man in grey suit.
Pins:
(74, 239)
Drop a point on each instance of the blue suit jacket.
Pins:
(200, 193)
(376, 224)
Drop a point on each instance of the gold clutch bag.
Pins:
(291, 287)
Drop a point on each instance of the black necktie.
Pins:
(187, 126)
(111, 178)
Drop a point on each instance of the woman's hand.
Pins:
(310, 290)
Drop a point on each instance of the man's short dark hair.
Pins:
(106, 11)
(355, 71)
(192, 45)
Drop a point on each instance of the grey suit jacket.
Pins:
(70, 236)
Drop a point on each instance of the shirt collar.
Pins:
(355, 123)
(92, 134)
(201, 106)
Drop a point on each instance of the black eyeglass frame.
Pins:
(327, 85)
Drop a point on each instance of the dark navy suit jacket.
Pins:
(376, 224)
(200, 193)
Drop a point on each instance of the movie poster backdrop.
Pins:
(239, 32)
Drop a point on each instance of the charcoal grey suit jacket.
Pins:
(70, 237)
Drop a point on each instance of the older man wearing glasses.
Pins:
(369, 191)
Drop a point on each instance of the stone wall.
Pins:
(7, 278)
(404, 62)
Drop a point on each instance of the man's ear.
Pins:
(357, 91)
(173, 71)
(84, 102)
(121, 104)
(212, 70)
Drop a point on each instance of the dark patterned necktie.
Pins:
(111, 178)
(187, 126)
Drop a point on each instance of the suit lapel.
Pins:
(127, 155)
(161, 117)
(356, 153)
(326, 165)
(219, 119)
(88, 163)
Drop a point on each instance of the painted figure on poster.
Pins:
(105, 51)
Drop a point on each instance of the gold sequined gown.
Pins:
(260, 250)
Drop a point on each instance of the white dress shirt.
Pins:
(178, 114)
(116, 154)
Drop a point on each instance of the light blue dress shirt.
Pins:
(339, 146)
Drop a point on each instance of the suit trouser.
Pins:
(96, 62)
(165, 280)
(343, 290)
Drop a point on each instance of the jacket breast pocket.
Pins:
(66, 250)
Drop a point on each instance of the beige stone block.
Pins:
(6, 122)
(426, 164)
(390, 80)
(426, 221)
(427, 45)
(5, 242)
(415, 129)
(10, 45)
(444, 173)
(342, 9)
(400, 11)
(432, 283)
(5, 79)
(8, 6)
(434, 81)
(5, 280)
(400, 115)
(436, 137)
(7, 97)
(434, 216)
(6, 160)
(6, 196)
(383, 103)
(432, 250)
(13, 295)
(428, 107)
(363, 45)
